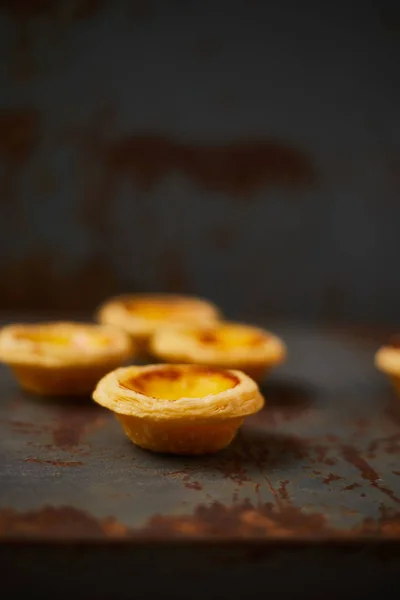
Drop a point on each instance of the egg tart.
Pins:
(179, 409)
(142, 314)
(63, 358)
(387, 359)
(226, 345)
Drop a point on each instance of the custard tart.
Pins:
(63, 358)
(142, 314)
(226, 345)
(387, 360)
(179, 409)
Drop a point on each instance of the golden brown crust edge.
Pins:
(239, 401)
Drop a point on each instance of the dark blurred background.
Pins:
(245, 151)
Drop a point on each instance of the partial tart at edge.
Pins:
(387, 360)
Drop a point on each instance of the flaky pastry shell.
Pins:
(387, 360)
(142, 314)
(179, 409)
(63, 358)
(227, 345)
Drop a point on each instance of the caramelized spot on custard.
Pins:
(208, 337)
(172, 383)
(225, 337)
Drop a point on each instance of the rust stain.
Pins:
(332, 438)
(387, 491)
(35, 283)
(18, 134)
(55, 463)
(193, 485)
(57, 522)
(25, 427)
(239, 520)
(396, 473)
(351, 455)
(239, 168)
(352, 486)
(392, 411)
(367, 472)
(53, 15)
(388, 524)
(321, 455)
(331, 477)
(390, 445)
(233, 469)
(282, 490)
(242, 520)
(71, 427)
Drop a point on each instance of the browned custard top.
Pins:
(160, 308)
(229, 336)
(175, 382)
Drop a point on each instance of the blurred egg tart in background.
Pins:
(387, 360)
(63, 358)
(179, 409)
(141, 315)
(226, 345)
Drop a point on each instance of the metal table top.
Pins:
(320, 461)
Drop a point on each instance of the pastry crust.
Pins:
(387, 360)
(226, 345)
(63, 358)
(179, 409)
(142, 314)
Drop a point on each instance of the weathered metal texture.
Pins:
(236, 140)
(321, 461)
(305, 501)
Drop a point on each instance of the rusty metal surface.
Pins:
(236, 148)
(321, 461)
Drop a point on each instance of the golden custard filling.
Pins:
(172, 383)
(179, 409)
(225, 344)
(47, 337)
(157, 309)
(225, 337)
(141, 315)
(63, 358)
